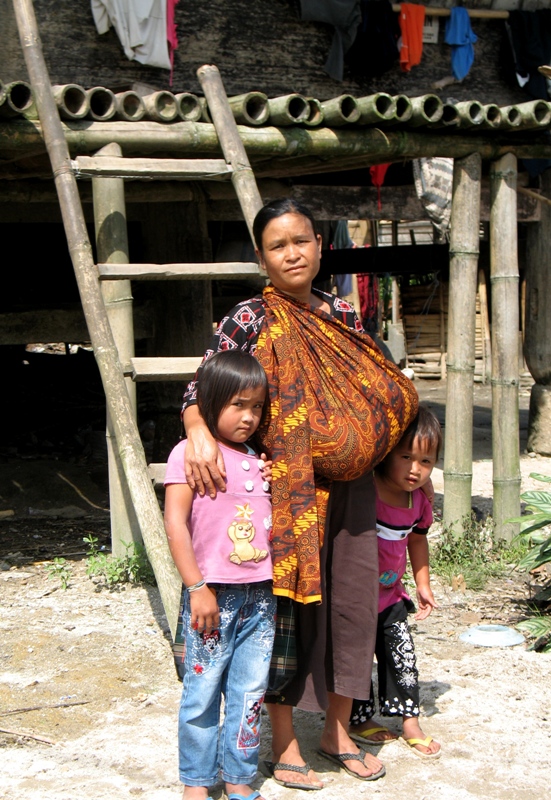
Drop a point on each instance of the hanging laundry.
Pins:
(344, 16)
(378, 173)
(140, 25)
(412, 19)
(375, 48)
(340, 240)
(171, 34)
(368, 289)
(529, 34)
(433, 179)
(461, 37)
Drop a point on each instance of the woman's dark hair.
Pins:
(222, 376)
(426, 427)
(286, 205)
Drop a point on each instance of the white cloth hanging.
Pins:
(140, 26)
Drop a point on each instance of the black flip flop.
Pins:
(340, 758)
(271, 767)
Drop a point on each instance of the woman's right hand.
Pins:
(204, 463)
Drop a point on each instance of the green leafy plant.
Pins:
(538, 505)
(133, 567)
(59, 568)
(473, 553)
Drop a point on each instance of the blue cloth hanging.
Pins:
(460, 36)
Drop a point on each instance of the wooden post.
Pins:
(112, 248)
(504, 281)
(537, 342)
(105, 351)
(464, 247)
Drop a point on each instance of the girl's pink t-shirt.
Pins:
(231, 533)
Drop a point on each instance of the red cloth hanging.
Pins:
(171, 34)
(412, 19)
(377, 174)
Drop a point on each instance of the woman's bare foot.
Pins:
(335, 739)
(412, 730)
(285, 748)
(373, 733)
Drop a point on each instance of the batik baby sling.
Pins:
(337, 407)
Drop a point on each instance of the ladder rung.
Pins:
(150, 168)
(163, 369)
(157, 473)
(163, 272)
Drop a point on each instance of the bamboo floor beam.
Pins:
(105, 351)
(504, 281)
(229, 270)
(464, 247)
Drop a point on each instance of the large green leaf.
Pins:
(538, 477)
(536, 556)
(536, 626)
(541, 501)
(531, 523)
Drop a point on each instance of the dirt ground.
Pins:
(89, 695)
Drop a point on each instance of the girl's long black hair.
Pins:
(223, 376)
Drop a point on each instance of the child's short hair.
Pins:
(222, 376)
(426, 427)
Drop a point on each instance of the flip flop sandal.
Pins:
(365, 736)
(410, 744)
(340, 758)
(271, 767)
(254, 795)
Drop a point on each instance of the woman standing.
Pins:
(336, 408)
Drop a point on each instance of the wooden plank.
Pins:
(231, 270)
(163, 369)
(150, 168)
(157, 473)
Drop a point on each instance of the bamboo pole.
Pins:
(404, 108)
(250, 108)
(492, 114)
(242, 176)
(129, 106)
(342, 110)
(288, 109)
(471, 113)
(15, 98)
(425, 109)
(485, 327)
(112, 248)
(118, 403)
(161, 106)
(464, 247)
(103, 105)
(528, 116)
(376, 108)
(315, 113)
(189, 107)
(72, 101)
(504, 280)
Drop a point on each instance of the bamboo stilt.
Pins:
(118, 403)
(112, 248)
(504, 282)
(464, 247)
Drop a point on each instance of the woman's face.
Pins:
(291, 254)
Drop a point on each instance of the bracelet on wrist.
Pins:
(195, 586)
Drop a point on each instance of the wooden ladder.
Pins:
(107, 305)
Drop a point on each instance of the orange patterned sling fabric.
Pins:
(337, 407)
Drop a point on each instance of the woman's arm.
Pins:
(204, 607)
(418, 549)
(205, 469)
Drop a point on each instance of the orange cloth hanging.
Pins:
(412, 19)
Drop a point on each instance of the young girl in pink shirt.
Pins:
(404, 516)
(221, 547)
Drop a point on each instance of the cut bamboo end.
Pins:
(376, 108)
(250, 108)
(17, 99)
(2, 92)
(404, 108)
(426, 109)
(316, 116)
(288, 109)
(340, 111)
(161, 106)
(129, 106)
(510, 117)
(450, 116)
(205, 113)
(492, 115)
(189, 107)
(102, 102)
(72, 101)
(471, 113)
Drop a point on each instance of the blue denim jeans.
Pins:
(232, 662)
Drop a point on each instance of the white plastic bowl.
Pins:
(492, 636)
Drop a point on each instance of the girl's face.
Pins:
(241, 417)
(408, 466)
(290, 253)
